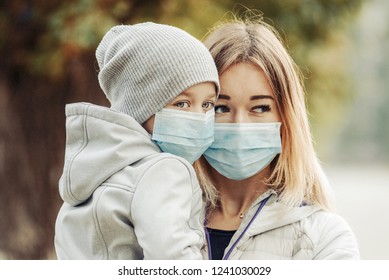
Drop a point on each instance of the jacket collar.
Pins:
(273, 215)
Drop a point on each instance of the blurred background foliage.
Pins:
(47, 60)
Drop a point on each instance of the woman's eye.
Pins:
(208, 105)
(261, 109)
(182, 104)
(220, 109)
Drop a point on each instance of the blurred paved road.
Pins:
(362, 197)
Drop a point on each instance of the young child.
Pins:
(123, 197)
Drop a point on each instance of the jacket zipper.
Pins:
(240, 236)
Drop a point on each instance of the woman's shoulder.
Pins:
(331, 235)
(322, 220)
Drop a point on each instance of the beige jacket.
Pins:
(280, 232)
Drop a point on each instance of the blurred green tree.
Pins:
(48, 60)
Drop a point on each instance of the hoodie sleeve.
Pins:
(337, 241)
(166, 212)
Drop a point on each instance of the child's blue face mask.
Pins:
(241, 150)
(185, 134)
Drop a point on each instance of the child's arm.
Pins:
(166, 211)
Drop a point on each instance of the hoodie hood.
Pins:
(99, 143)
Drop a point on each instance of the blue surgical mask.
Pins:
(241, 150)
(185, 134)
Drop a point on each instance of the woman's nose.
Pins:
(240, 117)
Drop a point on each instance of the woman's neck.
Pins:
(236, 198)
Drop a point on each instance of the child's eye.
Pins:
(208, 105)
(261, 108)
(182, 104)
(220, 109)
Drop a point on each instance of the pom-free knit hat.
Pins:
(145, 66)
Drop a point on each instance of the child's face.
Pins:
(199, 98)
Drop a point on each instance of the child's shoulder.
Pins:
(165, 160)
(165, 166)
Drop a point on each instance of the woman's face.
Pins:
(245, 96)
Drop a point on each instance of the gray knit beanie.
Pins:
(145, 66)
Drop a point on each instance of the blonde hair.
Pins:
(296, 175)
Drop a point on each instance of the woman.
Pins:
(267, 196)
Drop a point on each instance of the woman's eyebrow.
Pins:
(223, 96)
(255, 97)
